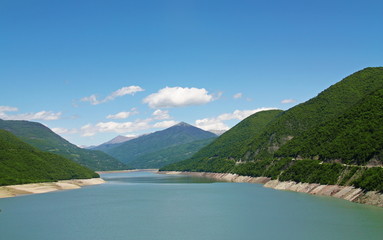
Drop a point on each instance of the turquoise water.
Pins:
(144, 205)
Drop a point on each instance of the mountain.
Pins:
(134, 152)
(169, 155)
(230, 145)
(328, 105)
(327, 140)
(21, 163)
(112, 143)
(46, 140)
(355, 137)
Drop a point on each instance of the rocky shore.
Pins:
(34, 188)
(348, 193)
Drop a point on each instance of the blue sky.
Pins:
(92, 70)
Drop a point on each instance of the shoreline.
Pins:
(348, 193)
(45, 187)
(128, 171)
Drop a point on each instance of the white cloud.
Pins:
(42, 115)
(165, 124)
(287, 101)
(88, 130)
(123, 115)
(217, 123)
(8, 109)
(92, 99)
(178, 97)
(211, 124)
(120, 127)
(238, 95)
(59, 130)
(131, 90)
(161, 114)
(217, 95)
(116, 127)
(132, 135)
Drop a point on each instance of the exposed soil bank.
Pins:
(34, 188)
(348, 193)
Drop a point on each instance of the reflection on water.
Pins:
(146, 177)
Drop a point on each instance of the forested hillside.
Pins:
(328, 105)
(46, 140)
(169, 155)
(355, 137)
(21, 163)
(328, 140)
(141, 152)
(221, 154)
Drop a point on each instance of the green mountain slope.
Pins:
(326, 140)
(21, 163)
(231, 145)
(326, 106)
(131, 152)
(44, 139)
(355, 137)
(170, 155)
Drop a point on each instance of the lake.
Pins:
(144, 205)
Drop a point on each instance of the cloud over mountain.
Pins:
(42, 115)
(217, 123)
(288, 101)
(161, 114)
(170, 97)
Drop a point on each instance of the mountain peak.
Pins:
(119, 139)
(182, 124)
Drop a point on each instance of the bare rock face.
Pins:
(371, 198)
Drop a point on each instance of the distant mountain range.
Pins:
(327, 140)
(112, 143)
(21, 163)
(160, 148)
(46, 140)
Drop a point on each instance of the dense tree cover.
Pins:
(44, 139)
(170, 155)
(371, 180)
(130, 152)
(311, 171)
(328, 105)
(355, 137)
(341, 124)
(234, 143)
(21, 163)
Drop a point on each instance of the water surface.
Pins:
(142, 205)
